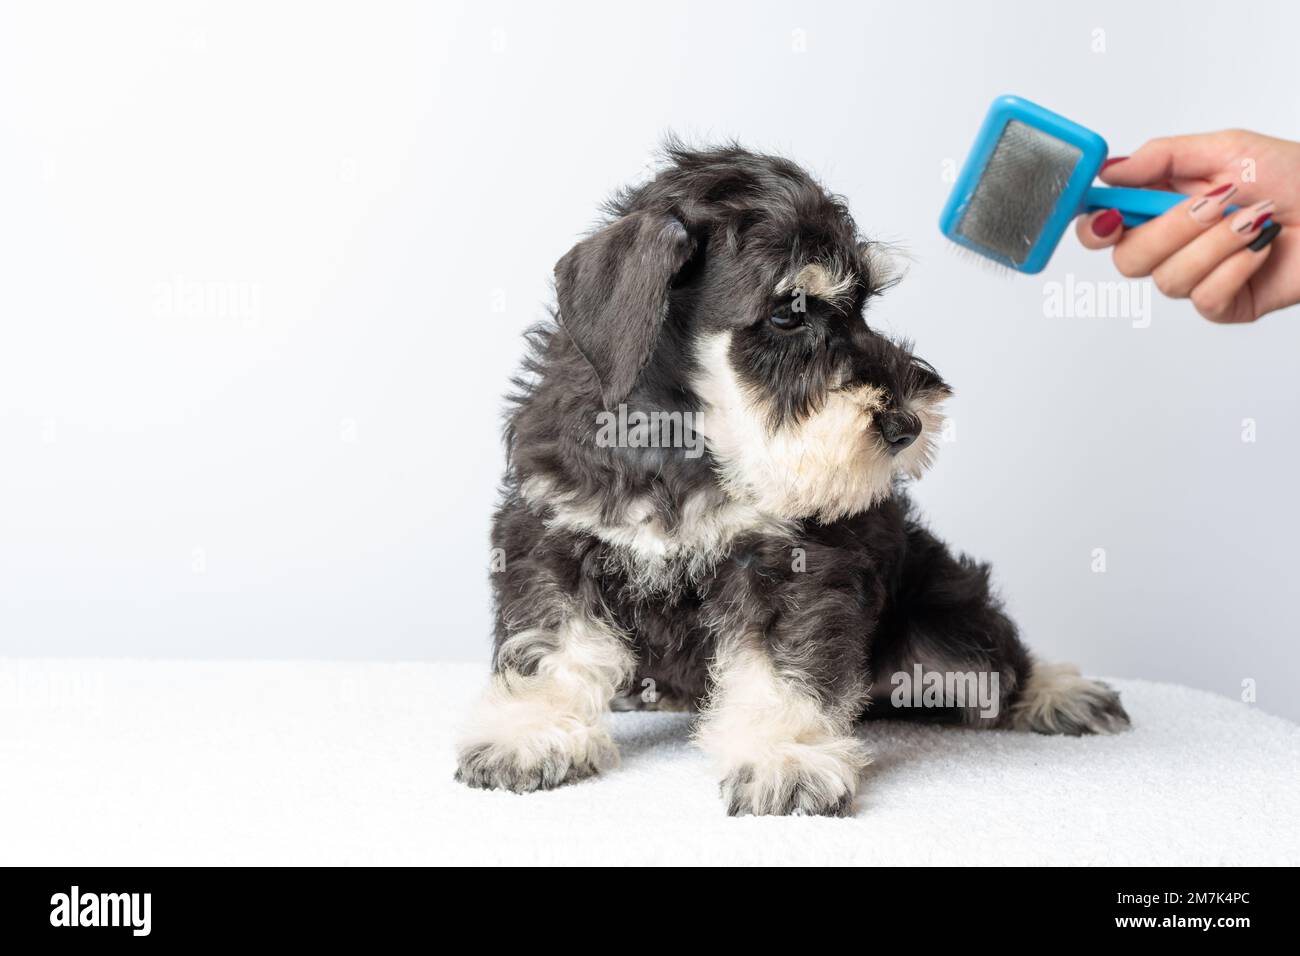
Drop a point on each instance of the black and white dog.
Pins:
(762, 563)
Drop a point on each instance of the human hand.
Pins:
(1234, 268)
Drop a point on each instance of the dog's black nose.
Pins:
(899, 429)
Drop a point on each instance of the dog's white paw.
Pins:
(533, 766)
(526, 742)
(806, 779)
(540, 760)
(1056, 699)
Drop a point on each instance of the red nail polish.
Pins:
(1220, 191)
(1262, 221)
(1106, 223)
(1111, 162)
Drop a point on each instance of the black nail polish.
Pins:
(1266, 235)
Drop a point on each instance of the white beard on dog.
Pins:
(829, 465)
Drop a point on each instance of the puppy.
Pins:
(702, 506)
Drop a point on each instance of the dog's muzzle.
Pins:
(899, 429)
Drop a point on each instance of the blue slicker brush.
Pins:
(1028, 175)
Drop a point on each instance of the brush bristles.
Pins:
(991, 266)
(1018, 191)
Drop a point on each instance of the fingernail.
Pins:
(1209, 207)
(1253, 218)
(1111, 162)
(1265, 237)
(1106, 223)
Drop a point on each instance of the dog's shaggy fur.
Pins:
(777, 580)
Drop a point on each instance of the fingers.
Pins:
(1225, 294)
(1144, 248)
(1100, 229)
(1183, 271)
(1196, 250)
(1170, 158)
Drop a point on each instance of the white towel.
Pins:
(132, 763)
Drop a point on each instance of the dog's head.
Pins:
(732, 287)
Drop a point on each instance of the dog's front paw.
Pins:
(806, 779)
(492, 767)
(535, 761)
(522, 738)
(1056, 699)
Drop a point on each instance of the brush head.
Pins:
(1023, 182)
(1020, 186)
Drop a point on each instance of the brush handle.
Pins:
(1137, 205)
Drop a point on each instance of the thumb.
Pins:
(1200, 156)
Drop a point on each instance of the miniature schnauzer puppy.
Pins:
(772, 574)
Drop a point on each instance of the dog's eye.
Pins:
(787, 318)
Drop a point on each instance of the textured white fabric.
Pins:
(117, 762)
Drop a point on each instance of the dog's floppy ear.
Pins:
(612, 290)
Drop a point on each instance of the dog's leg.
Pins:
(541, 722)
(782, 746)
(947, 622)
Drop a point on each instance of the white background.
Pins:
(263, 270)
